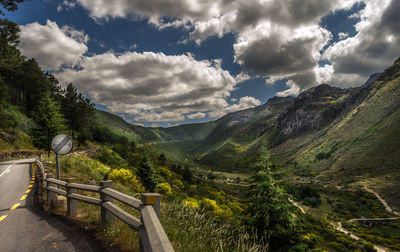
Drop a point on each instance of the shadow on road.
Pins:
(72, 231)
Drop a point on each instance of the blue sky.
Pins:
(212, 59)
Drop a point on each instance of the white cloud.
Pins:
(152, 86)
(65, 5)
(276, 39)
(51, 45)
(293, 89)
(165, 116)
(197, 115)
(343, 35)
(375, 46)
(244, 103)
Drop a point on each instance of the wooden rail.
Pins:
(152, 235)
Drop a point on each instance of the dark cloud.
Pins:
(269, 56)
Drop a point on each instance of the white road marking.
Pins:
(7, 170)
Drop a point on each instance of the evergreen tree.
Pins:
(270, 211)
(3, 95)
(148, 176)
(162, 160)
(78, 112)
(49, 122)
(10, 5)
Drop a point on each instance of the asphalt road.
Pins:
(23, 227)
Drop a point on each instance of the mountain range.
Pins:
(327, 134)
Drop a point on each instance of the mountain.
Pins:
(371, 79)
(144, 135)
(360, 147)
(328, 134)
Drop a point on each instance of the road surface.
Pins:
(23, 227)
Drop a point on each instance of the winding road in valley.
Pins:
(339, 226)
(23, 227)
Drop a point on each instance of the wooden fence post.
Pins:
(51, 196)
(148, 199)
(107, 218)
(72, 206)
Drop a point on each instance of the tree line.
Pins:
(38, 94)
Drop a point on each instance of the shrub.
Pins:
(209, 204)
(323, 155)
(164, 188)
(178, 183)
(191, 202)
(126, 177)
(167, 174)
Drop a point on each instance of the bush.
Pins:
(191, 202)
(167, 174)
(127, 178)
(323, 155)
(178, 183)
(164, 188)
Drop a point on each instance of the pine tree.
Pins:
(78, 111)
(10, 5)
(49, 122)
(270, 211)
(3, 96)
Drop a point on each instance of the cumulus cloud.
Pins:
(275, 39)
(103, 9)
(51, 45)
(65, 5)
(372, 49)
(343, 35)
(244, 103)
(197, 115)
(153, 86)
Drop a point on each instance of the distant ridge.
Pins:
(372, 78)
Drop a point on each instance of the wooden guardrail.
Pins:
(152, 235)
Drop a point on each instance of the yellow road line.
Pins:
(3, 217)
(30, 186)
(27, 191)
(23, 197)
(15, 206)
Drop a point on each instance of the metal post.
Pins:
(107, 218)
(58, 167)
(72, 206)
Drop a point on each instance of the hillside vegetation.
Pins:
(315, 152)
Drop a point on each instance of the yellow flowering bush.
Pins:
(191, 202)
(178, 183)
(164, 172)
(223, 211)
(127, 178)
(209, 203)
(164, 188)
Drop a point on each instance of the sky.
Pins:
(170, 62)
